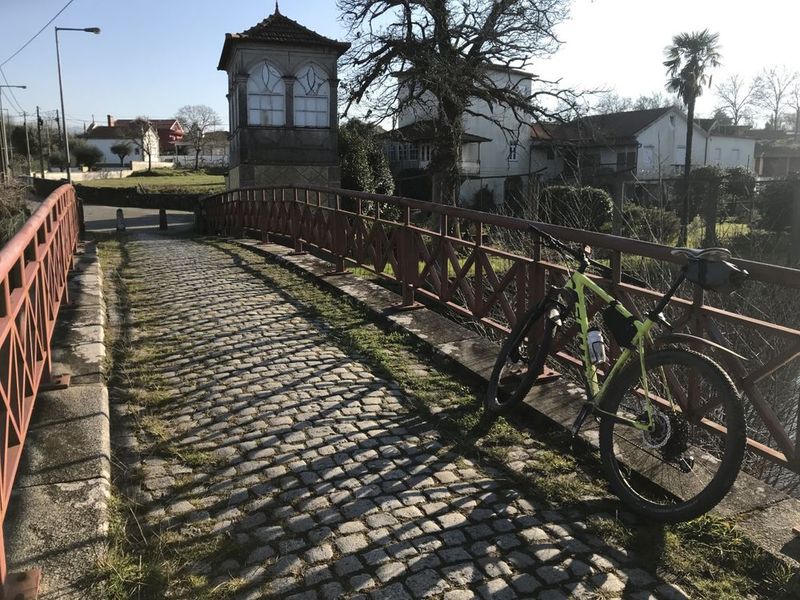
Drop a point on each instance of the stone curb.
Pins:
(58, 513)
(766, 516)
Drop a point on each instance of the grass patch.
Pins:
(164, 180)
(168, 560)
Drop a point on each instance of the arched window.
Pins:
(266, 97)
(311, 98)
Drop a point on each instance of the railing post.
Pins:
(296, 217)
(478, 269)
(794, 253)
(263, 217)
(409, 261)
(444, 271)
(339, 236)
(162, 219)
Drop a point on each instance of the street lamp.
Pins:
(94, 30)
(3, 130)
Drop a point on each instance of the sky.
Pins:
(153, 57)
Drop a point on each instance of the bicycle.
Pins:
(671, 425)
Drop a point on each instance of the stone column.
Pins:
(288, 83)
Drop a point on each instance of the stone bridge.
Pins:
(272, 441)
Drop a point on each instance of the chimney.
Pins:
(111, 120)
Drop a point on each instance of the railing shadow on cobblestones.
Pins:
(377, 500)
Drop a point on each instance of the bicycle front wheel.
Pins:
(686, 464)
(521, 359)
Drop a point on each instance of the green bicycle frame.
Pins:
(579, 283)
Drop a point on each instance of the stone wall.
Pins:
(268, 175)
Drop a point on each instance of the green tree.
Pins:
(363, 163)
(689, 59)
(122, 149)
(86, 154)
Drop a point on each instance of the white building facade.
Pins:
(495, 147)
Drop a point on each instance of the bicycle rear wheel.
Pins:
(520, 360)
(685, 466)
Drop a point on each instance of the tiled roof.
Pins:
(279, 29)
(102, 132)
(423, 131)
(620, 127)
(157, 123)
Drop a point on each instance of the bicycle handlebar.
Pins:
(561, 247)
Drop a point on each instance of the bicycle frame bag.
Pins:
(622, 328)
(718, 276)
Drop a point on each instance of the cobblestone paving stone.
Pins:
(324, 474)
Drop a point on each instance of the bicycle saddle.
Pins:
(706, 254)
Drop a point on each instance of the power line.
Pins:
(37, 34)
(12, 98)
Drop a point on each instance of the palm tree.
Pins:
(689, 58)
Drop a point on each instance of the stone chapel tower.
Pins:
(282, 84)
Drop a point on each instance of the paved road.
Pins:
(327, 478)
(104, 218)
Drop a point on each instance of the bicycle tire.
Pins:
(657, 474)
(501, 397)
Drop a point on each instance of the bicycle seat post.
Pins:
(655, 313)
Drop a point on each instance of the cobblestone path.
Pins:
(323, 473)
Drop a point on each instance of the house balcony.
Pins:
(467, 167)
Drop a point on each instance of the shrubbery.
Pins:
(580, 207)
(86, 154)
(651, 224)
(774, 202)
(13, 211)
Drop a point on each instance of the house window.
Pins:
(266, 97)
(736, 158)
(403, 151)
(626, 159)
(425, 152)
(512, 151)
(413, 152)
(718, 155)
(311, 98)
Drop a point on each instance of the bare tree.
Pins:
(736, 97)
(439, 54)
(197, 120)
(611, 102)
(772, 92)
(654, 100)
(793, 120)
(141, 132)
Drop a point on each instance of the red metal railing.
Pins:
(33, 283)
(456, 264)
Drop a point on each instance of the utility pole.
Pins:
(27, 140)
(5, 146)
(60, 131)
(39, 133)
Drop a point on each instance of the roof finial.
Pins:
(277, 9)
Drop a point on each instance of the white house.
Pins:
(104, 137)
(490, 153)
(642, 144)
